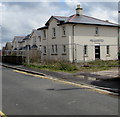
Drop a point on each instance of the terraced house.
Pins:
(79, 38)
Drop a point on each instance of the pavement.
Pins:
(107, 80)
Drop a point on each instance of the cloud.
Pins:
(18, 19)
(105, 11)
(21, 18)
(101, 10)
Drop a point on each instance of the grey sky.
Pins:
(18, 19)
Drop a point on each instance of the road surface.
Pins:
(29, 95)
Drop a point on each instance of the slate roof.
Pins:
(79, 19)
(83, 19)
(37, 32)
(19, 38)
(44, 27)
(27, 37)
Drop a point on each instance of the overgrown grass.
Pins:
(60, 66)
(92, 66)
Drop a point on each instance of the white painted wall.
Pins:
(83, 35)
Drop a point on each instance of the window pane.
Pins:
(85, 49)
(63, 29)
(96, 31)
(108, 49)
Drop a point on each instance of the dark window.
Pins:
(45, 49)
(54, 33)
(64, 48)
(56, 49)
(52, 48)
(96, 30)
(85, 49)
(64, 30)
(108, 49)
(39, 38)
(44, 32)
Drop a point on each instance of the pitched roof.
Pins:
(61, 18)
(27, 37)
(80, 19)
(19, 38)
(37, 32)
(44, 27)
(83, 19)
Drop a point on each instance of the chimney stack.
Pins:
(79, 10)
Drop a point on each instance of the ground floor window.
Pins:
(85, 49)
(64, 48)
(45, 50)
(108, 49)
(54, 48)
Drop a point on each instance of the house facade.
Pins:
(79, 38)
(35, 39)
(16, 43)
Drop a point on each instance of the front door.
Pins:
(97, 52)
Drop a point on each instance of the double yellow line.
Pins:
(2, 114)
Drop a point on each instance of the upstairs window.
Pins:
(44, 33)
(39, 38)
(63, 31)
(96, 30)
(54, 32)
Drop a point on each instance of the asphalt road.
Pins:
(29, 95)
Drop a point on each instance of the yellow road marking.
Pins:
(67, 82)
(2, 114)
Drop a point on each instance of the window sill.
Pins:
(44, 38)
(108, 55)
(54, 54)
(63, 35)
(96, 35)
(64, 54)
(85, 55)
(53, 37)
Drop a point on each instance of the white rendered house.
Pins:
(79, 38)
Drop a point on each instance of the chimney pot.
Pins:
(79, 10)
